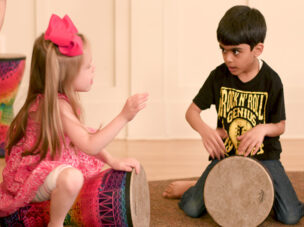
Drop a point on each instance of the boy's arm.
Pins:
(211, 138)
(252, 140)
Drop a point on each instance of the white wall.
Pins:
(17, 36)
(283, 51)
(165, 47)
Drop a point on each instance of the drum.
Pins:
(11, 72)
(112, 198)
(238, 192)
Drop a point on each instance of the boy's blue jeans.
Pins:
(287, 207)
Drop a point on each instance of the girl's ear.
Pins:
(258, 49)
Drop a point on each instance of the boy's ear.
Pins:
(258, 49)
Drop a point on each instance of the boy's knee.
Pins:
(192, 208)
(71, 180)
(289, 218)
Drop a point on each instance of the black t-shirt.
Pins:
(241, 106)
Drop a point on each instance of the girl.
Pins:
(2, 12)
(49, 150)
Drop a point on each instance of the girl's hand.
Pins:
(212, 140)
(126, 164)
(133, 105)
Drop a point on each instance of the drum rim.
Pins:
(134, 177)
(128, 198)
(249, 158)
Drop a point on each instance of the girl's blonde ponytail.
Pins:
(50, 115)
(51, 73)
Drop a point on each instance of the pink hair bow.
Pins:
(63, 33)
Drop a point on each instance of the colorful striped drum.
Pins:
(11, 72)
(112, 198)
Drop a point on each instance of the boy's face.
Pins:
(240, 59)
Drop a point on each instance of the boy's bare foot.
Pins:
(176, 189)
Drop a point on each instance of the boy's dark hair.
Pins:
(242, 25)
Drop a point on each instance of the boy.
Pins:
(249, 100)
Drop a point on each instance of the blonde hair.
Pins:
(51, 73)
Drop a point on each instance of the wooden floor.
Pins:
(172, 159)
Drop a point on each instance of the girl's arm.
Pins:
(93, 143)
(2, 11)
(126, 164)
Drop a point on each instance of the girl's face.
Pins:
(84, 79)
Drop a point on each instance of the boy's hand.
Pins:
(212, 140)
(133, 105)
(125, 165)
(222, 133)
(251, 141)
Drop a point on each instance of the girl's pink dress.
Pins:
(22, 176)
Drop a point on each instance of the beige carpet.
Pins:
(165, 212)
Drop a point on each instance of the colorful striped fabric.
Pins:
(11, 72)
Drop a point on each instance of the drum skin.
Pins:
(238, 192)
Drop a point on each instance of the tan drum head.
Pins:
(9, 57)
(238, 192)
(139, 199)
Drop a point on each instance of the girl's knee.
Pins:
(70, 180)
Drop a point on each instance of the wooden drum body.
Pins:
(112, 198)
(238, 192)
(11, 72)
